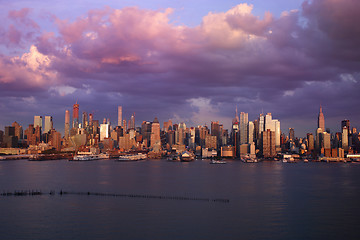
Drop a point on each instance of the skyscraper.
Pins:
(38, 121)
(269, 123)
(318, 142)
(321, 120)
(91, 118)
(215, 131)
(67, 124)
(345, 138)
(104, 131)
(310, 138)
(291, 134)
(326, 143)
(132, 122)
(120, 116)
(261, 124)
(18, 130)
(167, 126)
(277, 134)
(250, 132)
(48, 124)
(244, 120)
(75, 115)
(155, 142)
(234, 135)
(346, 123)
(84, 120)
(268, 143)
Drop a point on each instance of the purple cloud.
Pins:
(138, 58)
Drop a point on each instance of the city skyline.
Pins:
(189, 62)
(266, 121)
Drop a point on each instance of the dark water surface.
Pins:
(268, 200)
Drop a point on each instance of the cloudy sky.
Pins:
(191, 61)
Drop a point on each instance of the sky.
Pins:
(189, 61)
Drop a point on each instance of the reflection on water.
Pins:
(269, 200)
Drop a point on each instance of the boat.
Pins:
(88, 156)
(187, 156)
(132, 157)
(248, 159)
(213, 161)
(173, 158)
(289, 160)
(306, 160)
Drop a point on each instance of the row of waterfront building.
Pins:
(261, 137)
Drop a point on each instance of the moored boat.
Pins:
(249, 159)
(87, 156)
(187, 156)
(132, 157)
(173, 158)
(213, 161)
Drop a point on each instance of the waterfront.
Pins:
(267, 200)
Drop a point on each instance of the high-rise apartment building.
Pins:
(269, 123)
(155, 142)
(9, 139)
(67, 124)
(261, 124)
(91, 119)
(318, 142)
(48, 124)
(167, 126)
(192, 138)
(132, 122)
(104, 131)
(291, 134)
(85, 121)
(326, 141)
(18, 130)
(243, 128)
(75, 115)
(345, 138)
(211, 142)
(251, 132)
(277, 133)
(345, 123)
(310, 140)
(268, 143)
(38, 121)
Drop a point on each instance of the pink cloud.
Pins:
(14, 35)
(22, 16)
(139, 52)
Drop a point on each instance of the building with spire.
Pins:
(132, 122)
(321, 120)
(120, 116)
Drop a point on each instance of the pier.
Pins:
(144, 196)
